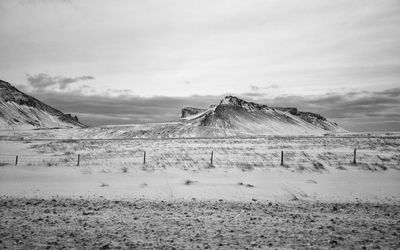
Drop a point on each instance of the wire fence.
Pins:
(246, 160)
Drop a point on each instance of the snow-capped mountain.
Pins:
(234, 116)
(21, 111)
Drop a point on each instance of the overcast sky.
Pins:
(141, 61)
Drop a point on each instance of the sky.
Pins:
(135, 61)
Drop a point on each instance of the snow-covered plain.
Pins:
(314, 167)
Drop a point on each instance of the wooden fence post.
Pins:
(79, 157)
(212, 156)
(144, 157)
(16, 160)
(354, 157)
(281, 158)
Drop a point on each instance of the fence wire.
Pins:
(246, 160)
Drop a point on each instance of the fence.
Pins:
(245, 160)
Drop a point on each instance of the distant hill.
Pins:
(21, 111)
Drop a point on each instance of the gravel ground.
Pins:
(142, 224)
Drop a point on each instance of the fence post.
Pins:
(79, 157)
(144, 157)
(354, 157)
(281, 158)
(16, 160)
(212, 156)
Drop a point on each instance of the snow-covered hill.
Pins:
(21, 111)
(238, 117)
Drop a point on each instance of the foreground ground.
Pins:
(105, 194)
(101, 223)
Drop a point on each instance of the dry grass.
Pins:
(300, 154)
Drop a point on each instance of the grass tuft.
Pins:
(103, 184)
(189, 182)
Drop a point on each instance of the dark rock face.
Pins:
(234, 101)
(310, 117)
(307, 116)
(292, 111)
(189, 111)
(68, 117)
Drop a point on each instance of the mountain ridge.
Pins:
(243, 117)
(22, 111)
(232, 116)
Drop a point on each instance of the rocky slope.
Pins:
(21, 111)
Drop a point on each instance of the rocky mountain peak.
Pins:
(4, 84)
(235, 101)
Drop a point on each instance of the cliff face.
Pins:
(19, 110)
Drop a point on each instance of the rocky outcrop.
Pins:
(69, 117)
(189, 111)
(234, 101)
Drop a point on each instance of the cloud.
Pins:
(356, 110)
(257, 88)
(152, 47)
(41, 81)
(254, 87)
(45, 1)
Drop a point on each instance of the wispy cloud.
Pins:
(41, 81)
(44, 1)
(257, 87)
